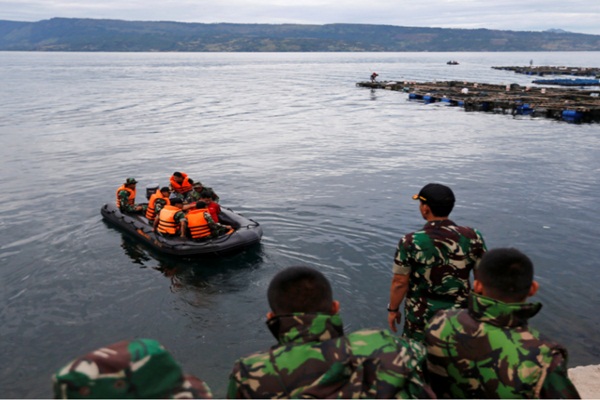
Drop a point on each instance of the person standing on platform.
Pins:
(432, 266)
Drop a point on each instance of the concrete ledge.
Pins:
(587, 380)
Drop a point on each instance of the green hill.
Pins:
(72, 34)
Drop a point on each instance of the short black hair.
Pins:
(165, 189)
(206, 193)
(440, 209)
(177, 174)
(200, 204)
(506, 273)
(299, 289)
(176, 200)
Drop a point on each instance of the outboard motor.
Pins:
(151, 189)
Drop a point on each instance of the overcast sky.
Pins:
(582, 16)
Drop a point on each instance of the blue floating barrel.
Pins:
(572, 115)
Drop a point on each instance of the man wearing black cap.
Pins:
(432, 266)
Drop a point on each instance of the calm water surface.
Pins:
(288, 140)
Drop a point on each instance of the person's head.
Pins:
(300, 289)
(200, 204)
(140, 368)
(177, 202)
(130, 182)
(198, 186)
(177, 176)
(505, 274)
(435, 199)
(165, 191)
(206, 196)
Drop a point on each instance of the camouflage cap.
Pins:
(130, 181)
(140, 368)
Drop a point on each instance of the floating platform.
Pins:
(550, 70)
(571, 105)
(568, 82)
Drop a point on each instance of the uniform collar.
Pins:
(438, 223)
(300, 328)
(497, 313)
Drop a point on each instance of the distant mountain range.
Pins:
(74, 34)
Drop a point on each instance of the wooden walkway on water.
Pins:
(550, 70)
(565, 104)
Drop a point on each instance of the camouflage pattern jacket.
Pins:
(438, 260)
(488, 351)
(315, 359)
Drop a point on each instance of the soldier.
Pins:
(196, 193)
(201, 225)
(137, 369)
(487, 350)
(313, 357)
(181, 184)
(157, 201)
(171, 220)
(432, 265)
(126, 197)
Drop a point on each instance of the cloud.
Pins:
(535, 15)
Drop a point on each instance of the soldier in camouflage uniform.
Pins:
(313, 357)
(488, 350)
(432, 266)
(126, 197)
(196, 194)
(137, 369)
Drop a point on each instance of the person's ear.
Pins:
(477, 287)
(533, 289)
(270, 315)
(335, 307)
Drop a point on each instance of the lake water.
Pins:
(327, 168)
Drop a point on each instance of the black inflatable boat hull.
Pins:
(247, 233)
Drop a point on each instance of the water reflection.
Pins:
(186, 273)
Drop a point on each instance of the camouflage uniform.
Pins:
(216, 229)
(158, 205)
(438, 260)
(140, 368)
(314, 359)
(194, 195)
(124, 203)
(488, 351)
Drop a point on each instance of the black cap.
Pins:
(435, 193)
(175, 200)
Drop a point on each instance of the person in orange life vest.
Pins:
(171, 220)
(180, 184)
(157, 201)
(201, 225)
(213, 207)
(126, 197)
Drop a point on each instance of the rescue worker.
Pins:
(432, 265)
(488, 350)
(156, 202)
(126, 197)
(171, 220)
(201, 225)
(136, 369)
(314, 359)
(374, 76)
(194, 195)
(180, 183)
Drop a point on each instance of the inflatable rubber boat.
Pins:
(247, 232)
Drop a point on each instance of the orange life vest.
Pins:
(151, 211)
(197, 223)
(182, 187)
(166, 220)
(131, 195)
